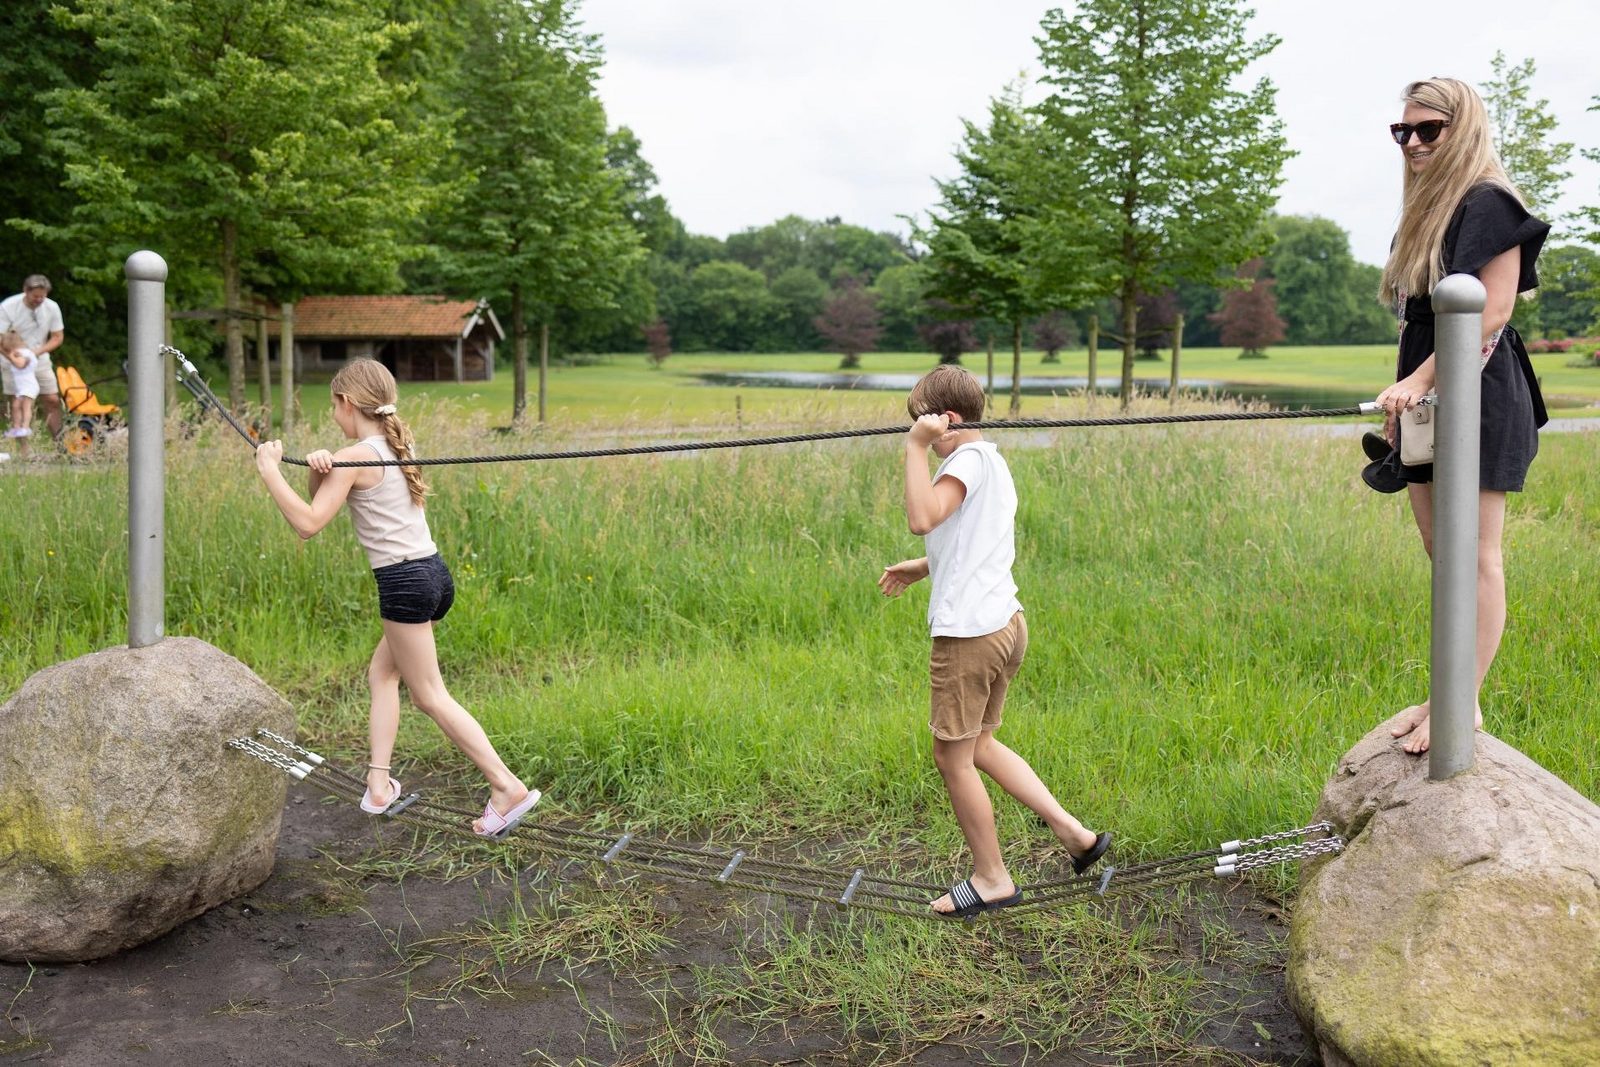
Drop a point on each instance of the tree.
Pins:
(1159, 171)
(658, 342)
(1590, 215)
(258, 141)
(975, 258)
(1053, 331)
(1158, 314)
(730, 308)
(799, 296)
(898, 290)
(948, 338)
(1525, 133)
(1569, 300)
(849, 321)
(545, 227)
(55, 57)
(1249, 316)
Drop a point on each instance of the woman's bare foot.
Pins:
(503, 800)
(1416, 722)
(989, 890)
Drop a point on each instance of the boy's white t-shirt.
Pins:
(24, 379)
(970, 553)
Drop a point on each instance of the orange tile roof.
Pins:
(379, 316)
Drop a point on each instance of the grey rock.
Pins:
(1461, 925)
(122, 813)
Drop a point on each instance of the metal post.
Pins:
(147, 294)
(286, 364)
(1453, 679)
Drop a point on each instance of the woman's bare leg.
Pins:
(1491, 598)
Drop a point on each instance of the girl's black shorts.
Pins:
(417, 590)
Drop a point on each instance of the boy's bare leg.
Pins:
(975, 815)
(1013, 774)
(416, 656)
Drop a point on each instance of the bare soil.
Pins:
(306, 970)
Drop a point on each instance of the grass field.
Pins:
(695, 644)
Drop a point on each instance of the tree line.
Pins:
(272, 149)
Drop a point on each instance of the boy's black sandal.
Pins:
(1082, 863)
(968, 903)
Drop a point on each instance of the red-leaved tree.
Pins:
(1249, 317)
(1052, 332)
(657, 341)
(849, 322)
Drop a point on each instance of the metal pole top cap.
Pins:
(1458, 293)
(145, 266)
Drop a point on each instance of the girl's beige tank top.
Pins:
(388, 524)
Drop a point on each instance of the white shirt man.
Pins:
(37, 318)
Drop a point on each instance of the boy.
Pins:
(967, 514)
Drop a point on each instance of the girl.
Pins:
(21, 365)
(414, 586)
(1461, 213)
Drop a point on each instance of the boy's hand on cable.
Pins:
(320, 461)
(268, 455)
(896, 578)
(928, 429)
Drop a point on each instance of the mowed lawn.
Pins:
(624, 387)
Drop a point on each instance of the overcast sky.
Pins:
(750, 110)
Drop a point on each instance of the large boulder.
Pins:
(122, 814)
(1461, 925)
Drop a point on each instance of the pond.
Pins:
(1274, 396)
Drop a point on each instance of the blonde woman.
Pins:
(1460, 213)
(414, 586)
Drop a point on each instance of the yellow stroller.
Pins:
(87, 417)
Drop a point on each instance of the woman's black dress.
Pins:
(1488, 221)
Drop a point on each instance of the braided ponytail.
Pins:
(368, 385)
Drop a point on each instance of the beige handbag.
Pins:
(1416, 434)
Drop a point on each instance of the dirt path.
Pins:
(306, 971)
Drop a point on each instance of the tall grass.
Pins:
(1216, 614)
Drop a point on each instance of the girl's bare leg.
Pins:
(412, 647)
(383, 678)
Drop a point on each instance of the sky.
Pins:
(750, 110)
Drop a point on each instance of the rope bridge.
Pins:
(191, 380)
(845, 888)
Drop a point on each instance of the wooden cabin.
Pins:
(419, 338)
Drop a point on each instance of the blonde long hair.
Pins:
(1461, 161)
(368, 385)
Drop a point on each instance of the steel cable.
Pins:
(853, 888)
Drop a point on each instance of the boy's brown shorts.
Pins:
(969, 676)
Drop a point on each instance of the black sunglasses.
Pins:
(1427, 132)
